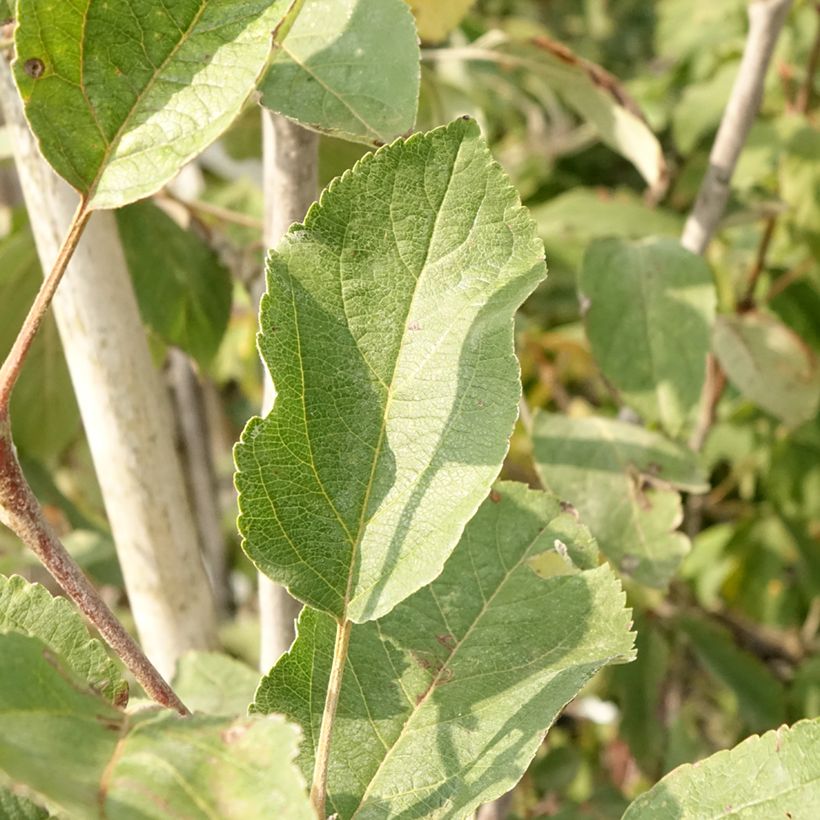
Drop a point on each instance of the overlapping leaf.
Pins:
(121, 94)
(15, 807)
(30, 609)
(649, 309)
(76, 750)
(776, 775)
(387, 329)
(349, 68)
(623, 479)
(445, 700)
(214, 683)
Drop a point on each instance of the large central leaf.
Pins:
(121, 93)
(445, 700)
(387, 329)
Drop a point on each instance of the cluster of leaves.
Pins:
(474, 611)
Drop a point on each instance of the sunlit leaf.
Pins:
(349, 68)
(445, 700)
(122, 94)
(387, 328)
(437, 18)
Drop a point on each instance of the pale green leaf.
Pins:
(183, 289)
(121, 93)
(776, 775)
(387, 328)
(597, 97)
(349, 68)
(620, 477)
(214, 683)
(435, 19)
(44, 414)
(649, 309)
(800, 178)
(445, 700)
(77, 751)
(31, 609)
(769, 364)
(701, 106)
(16, 807)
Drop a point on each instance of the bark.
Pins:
(124, 408)
(291, 181)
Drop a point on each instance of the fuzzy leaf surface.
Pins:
(623, 480)
(348, 68)
(445, 700)
(32, 610)
(152, 764)
(122, 93)
(650, 306)
(388, 331)
(774, 775)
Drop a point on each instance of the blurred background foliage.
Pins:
(729, 646)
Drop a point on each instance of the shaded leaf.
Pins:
(31, 609)
(6, 12)
(769, 364)
(148, 765)
(649, 310)
(800, 178)
(387, 328)
(122, 94)
(437, 18)
(15, 807)
(776, 775)
(44, 414)
(183, 289)
(622, 479)
(445, 700)
(214, 683)
(349, 68)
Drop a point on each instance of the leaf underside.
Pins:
(337, 72)
(623, 479)
(122, 93)
(445, 700)
(387, 329)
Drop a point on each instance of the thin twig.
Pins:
(318, 791)
(747, 299)
(21, 513)
(10, 371)
(766, 18)
(217, 212)
(802, 103)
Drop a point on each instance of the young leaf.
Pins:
(437, 18)
(445, 700)
(30, 609)
(769, 364)
(349, 68)
(387, 329)
(183, 289)
(650, 306)
(214, 683)
(776, 775)
(148, 765)
(620, 477)
(122, 94)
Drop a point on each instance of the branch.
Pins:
(766, 18)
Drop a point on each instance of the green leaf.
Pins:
(6, 12)
(44, 413)
(214, 683)
(776, 775)
(598, 98)
(800, 178)
(31, 609)
(769, 364)
(122, 94)
(149, 765)
(760, 695)
(445, 700)
(15, 807)
(183, 289)
(650, 306)
(349, 68)
(387, 328)
(435, 19)
(620, 478)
